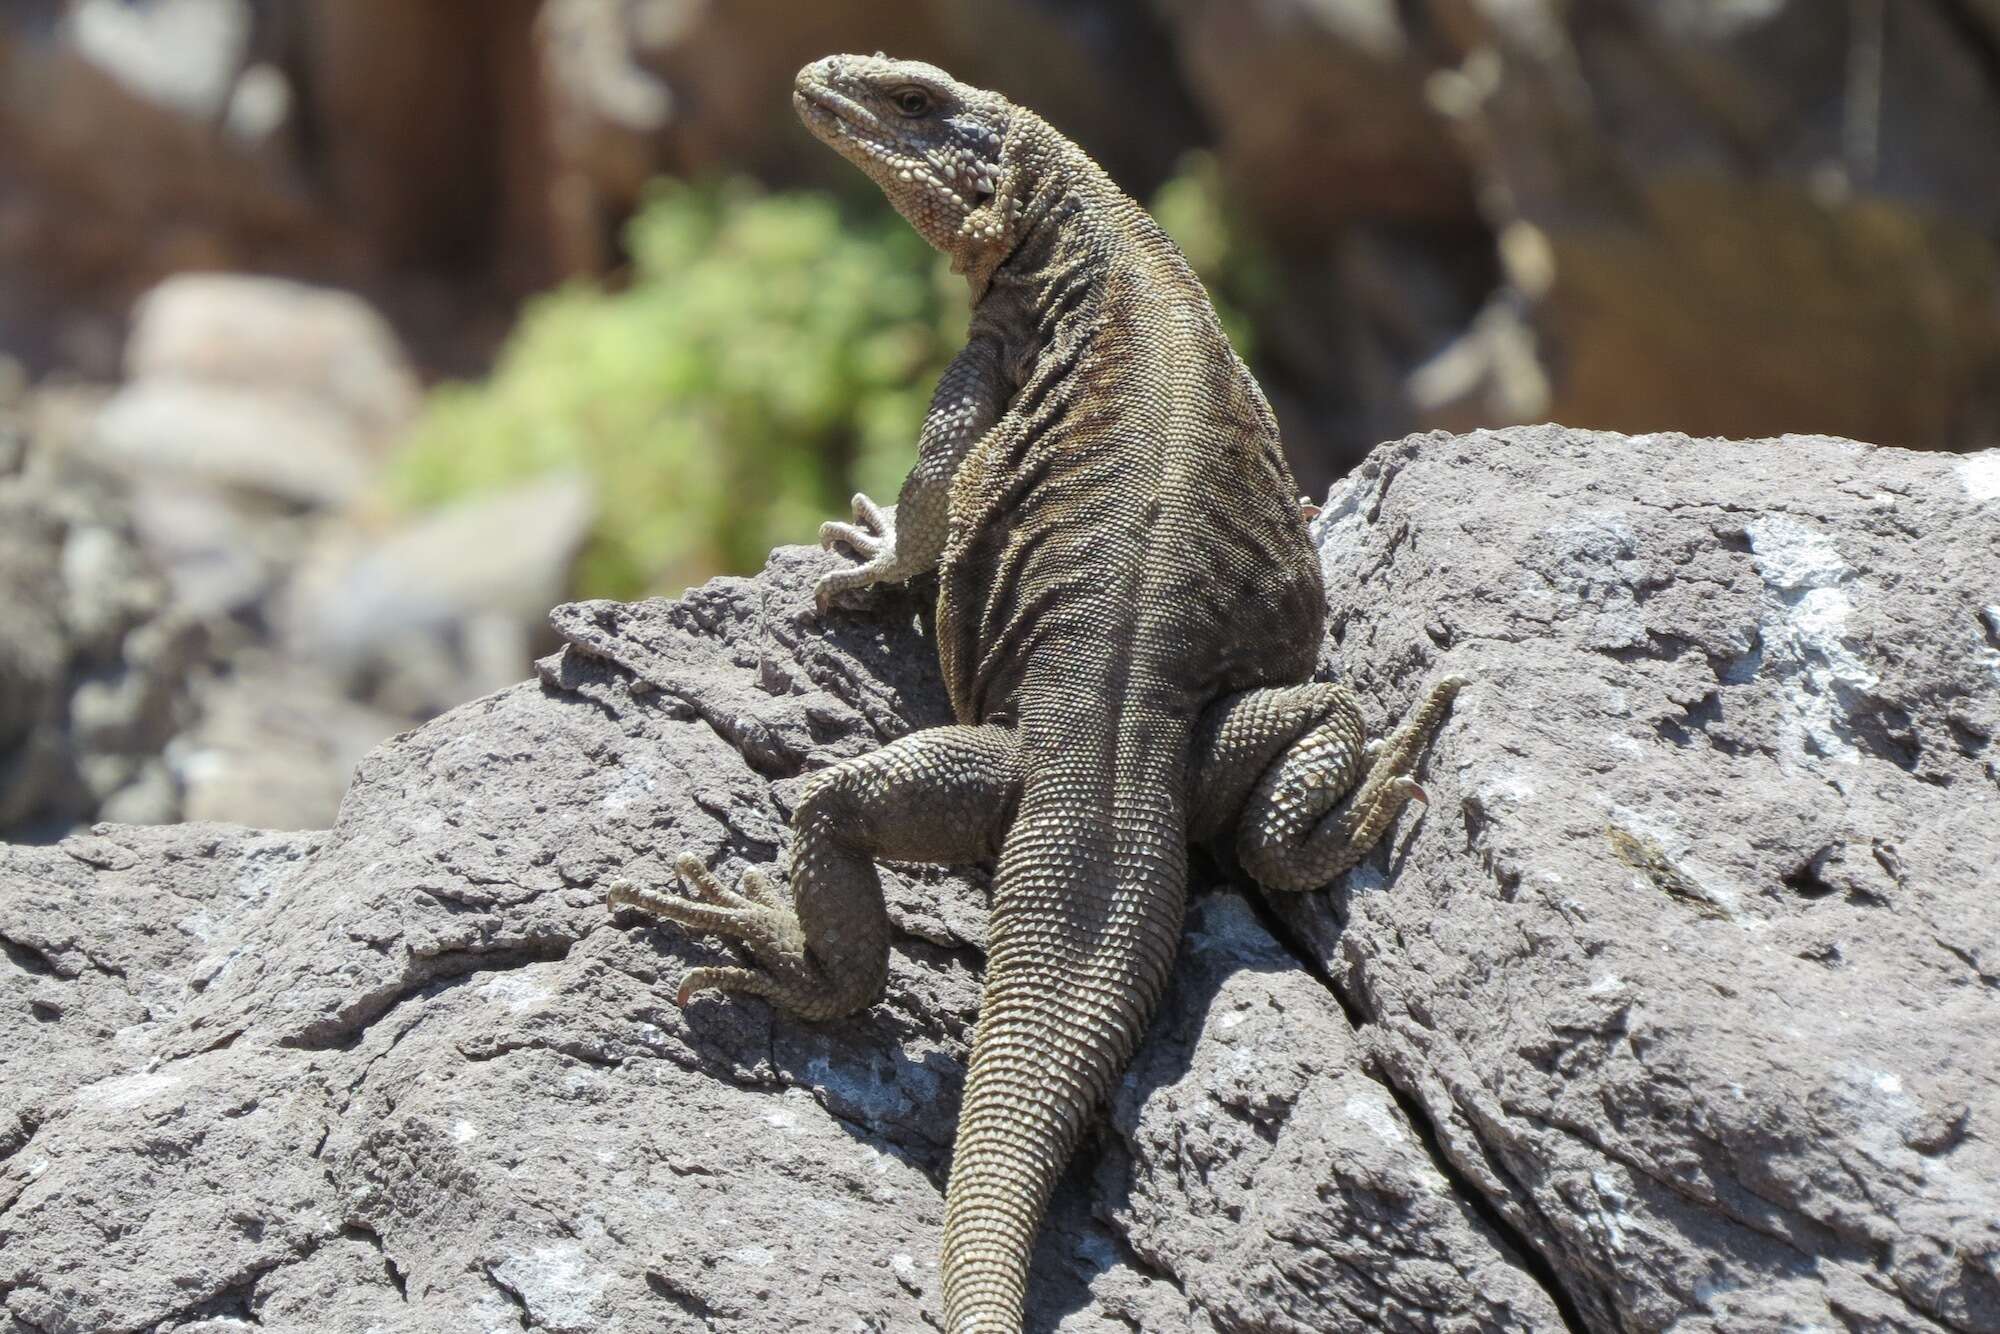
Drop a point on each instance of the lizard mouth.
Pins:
(826, 110)
(815, 113)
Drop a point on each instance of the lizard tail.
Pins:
(1087, 912)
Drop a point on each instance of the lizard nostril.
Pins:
(823, 70)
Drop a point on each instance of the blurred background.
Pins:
(340, 338)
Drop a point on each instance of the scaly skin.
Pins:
(1126, 593)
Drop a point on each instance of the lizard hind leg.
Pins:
(1299, 826)
(943, 795)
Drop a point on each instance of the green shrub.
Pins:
(768, 357)
(1192, 207)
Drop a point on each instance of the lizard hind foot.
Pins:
(747, 980)
(753, 891)
(1388, 784)
(751, 914)
(1298, 833)
(873, 529)
(1376, 808)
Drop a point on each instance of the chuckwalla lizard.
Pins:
(1128, 602)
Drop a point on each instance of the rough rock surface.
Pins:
(1679, 989)
(1700, 989)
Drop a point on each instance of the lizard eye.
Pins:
(911, 101)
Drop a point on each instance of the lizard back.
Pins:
(1133, 505)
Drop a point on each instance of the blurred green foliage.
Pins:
(768, 355)
(1193, 208)
(767, 358)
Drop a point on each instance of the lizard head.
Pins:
(933, 144)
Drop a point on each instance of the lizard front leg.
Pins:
(944, 795)
(905, 540)
(1279, 766)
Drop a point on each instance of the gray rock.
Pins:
(1263, 1165)
(1679, 988)
(266, 443)
(444, 607)
(105, 936)
(273, 745)
(258, 389)
(94, 654)
(225, 552)
(269, 334)
(1692, 964)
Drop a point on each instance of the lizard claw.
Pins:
(834, 535)
(757, 917)
(872, 532)
(872, 537)
(872, 529)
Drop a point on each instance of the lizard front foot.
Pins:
(872, 537)
(751, 913)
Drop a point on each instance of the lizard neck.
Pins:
(1068, 222)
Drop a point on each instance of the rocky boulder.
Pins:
(1674, 1010)
(257, 387)
(1694, 968)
